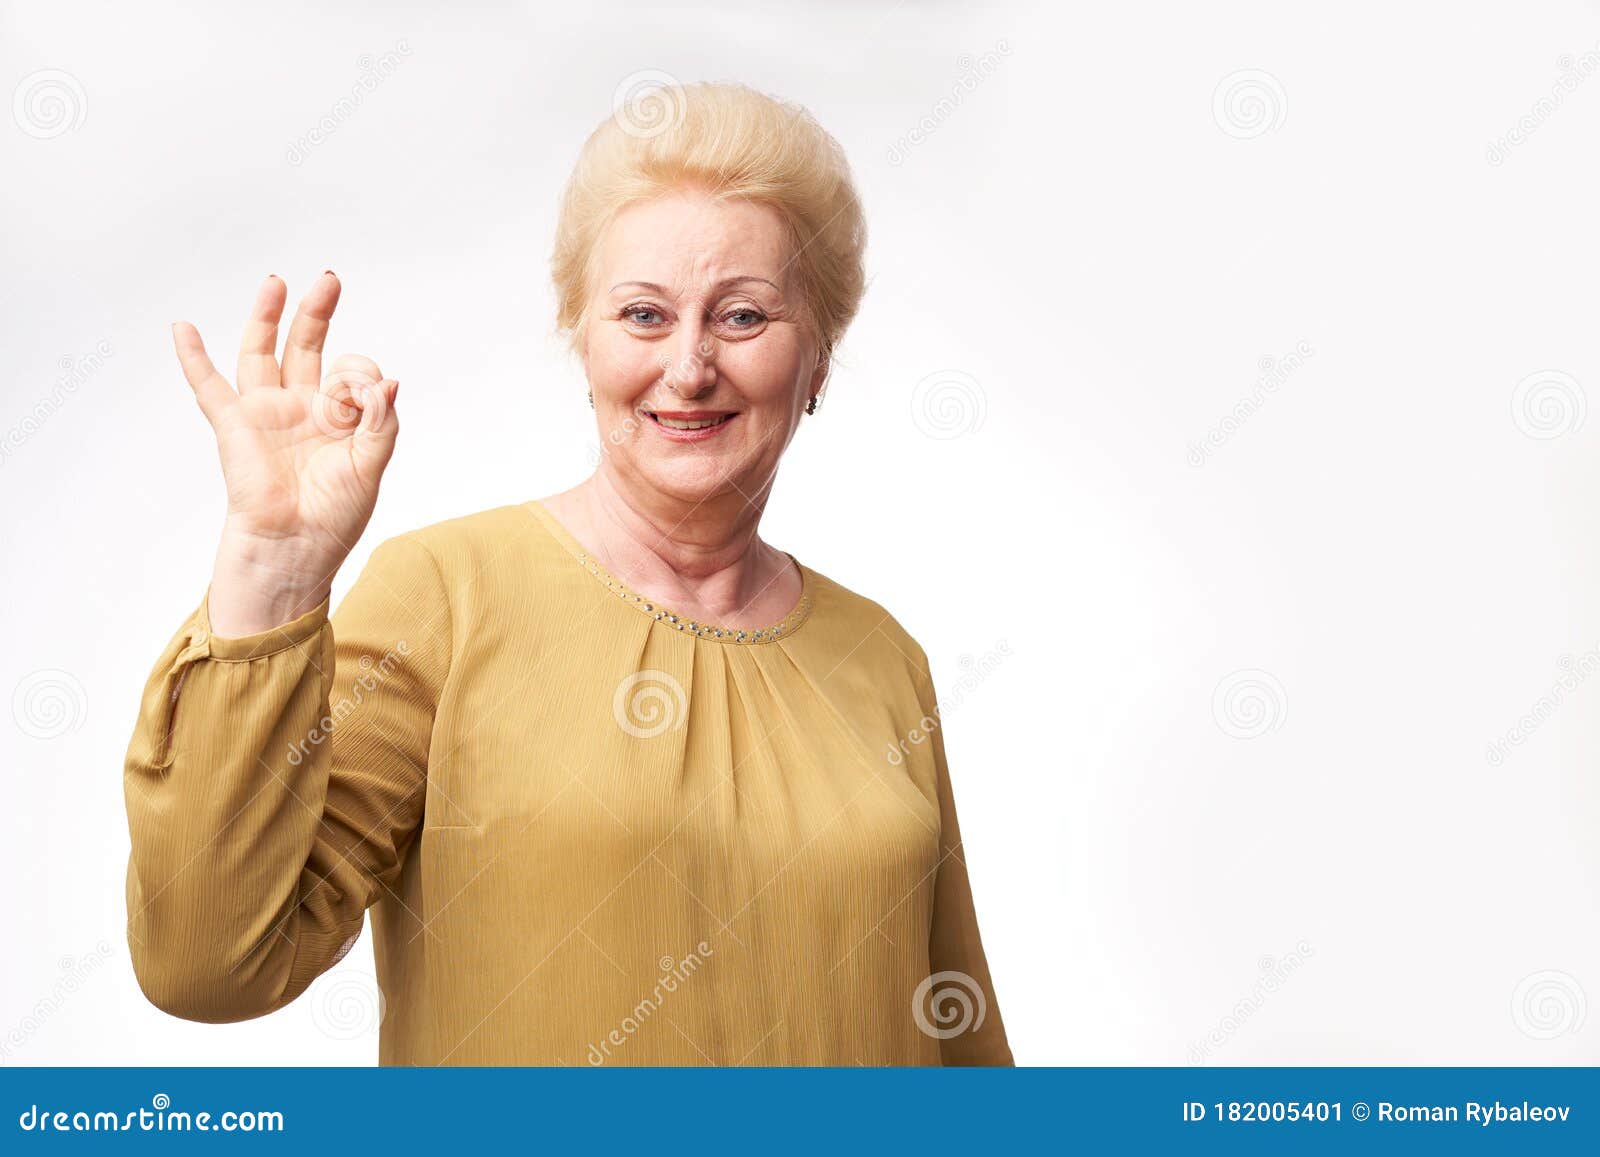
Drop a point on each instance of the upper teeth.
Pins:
(681, 424)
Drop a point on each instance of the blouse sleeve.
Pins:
(963, 989)
(273, 785)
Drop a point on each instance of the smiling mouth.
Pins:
(690, 422)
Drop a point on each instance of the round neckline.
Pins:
(667, 616)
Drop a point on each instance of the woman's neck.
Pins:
(704, 558)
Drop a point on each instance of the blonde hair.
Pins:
(737, 144)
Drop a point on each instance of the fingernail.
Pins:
(326, 272)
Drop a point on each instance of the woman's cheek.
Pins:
(623, 367)
(763, 375)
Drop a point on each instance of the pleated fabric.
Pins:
(589, 832)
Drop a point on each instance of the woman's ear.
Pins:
(819, 376)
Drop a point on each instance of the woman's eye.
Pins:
(642, 315)
(743, 318)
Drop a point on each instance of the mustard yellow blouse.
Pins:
(590, 832)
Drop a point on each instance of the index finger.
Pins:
(302, 353)
(211, 389)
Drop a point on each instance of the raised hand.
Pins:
(302, 457)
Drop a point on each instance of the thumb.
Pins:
(373, 441)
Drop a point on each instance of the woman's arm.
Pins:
(274, 783)
(960, 991)
(277, 769)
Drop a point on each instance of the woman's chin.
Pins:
(695, 477)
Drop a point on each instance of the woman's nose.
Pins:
(692, 370)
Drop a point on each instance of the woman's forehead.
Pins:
(695, 243)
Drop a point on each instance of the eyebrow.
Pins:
(720, 285)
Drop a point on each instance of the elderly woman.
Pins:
(622, 783)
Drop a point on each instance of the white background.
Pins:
(1094, 253)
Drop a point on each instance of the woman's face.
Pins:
(696, 316)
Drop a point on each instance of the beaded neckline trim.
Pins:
(665, 615)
